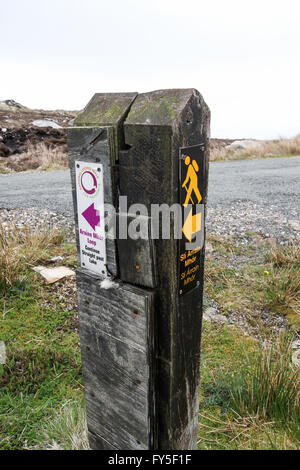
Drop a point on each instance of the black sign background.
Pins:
(189, 260)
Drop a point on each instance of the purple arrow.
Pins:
(92, 216)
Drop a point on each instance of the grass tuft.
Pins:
(285, 256)
(67, 430)
(36, 157)
(250, 392)
(259, 149)
(266, 280)
(269, 386)
(20, 248)
(282, 292)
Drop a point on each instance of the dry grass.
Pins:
(20, 248)
(282, 292)
(251, 399)
(285, 256)
(236, 432)
(38, 157)
(68, 430)
(283, 281)
(267, 281)
(259, 149)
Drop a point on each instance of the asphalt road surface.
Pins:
(272, 181)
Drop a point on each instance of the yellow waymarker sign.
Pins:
(192, 225)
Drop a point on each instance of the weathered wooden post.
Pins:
(139, 298)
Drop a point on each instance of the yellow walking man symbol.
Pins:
(191, 176)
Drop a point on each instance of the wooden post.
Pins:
(140, 329)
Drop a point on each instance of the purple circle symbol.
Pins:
(89, 191)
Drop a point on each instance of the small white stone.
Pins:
(45, 123)
(56, 258)
(295, 224)
(296, 357)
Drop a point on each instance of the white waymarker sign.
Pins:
(90, 208)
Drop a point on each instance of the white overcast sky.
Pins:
(242, 55)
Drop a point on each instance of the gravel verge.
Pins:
(33, 217)
(240, 223)
(241, 220)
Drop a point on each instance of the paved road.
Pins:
(268, 181)
(45, 190)
(265, 182)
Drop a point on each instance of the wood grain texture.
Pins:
(137, 255)
(108, 109)
(99, 443)
(158, 125)
(141, 347)
(105, 109)
(116, 336)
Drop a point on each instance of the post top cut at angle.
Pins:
(140, 338)
(108, 110)
(105, 109)
(160, 107)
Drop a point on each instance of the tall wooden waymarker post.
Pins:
(140, 298)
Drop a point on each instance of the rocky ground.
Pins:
(34, 218)
(244, 220)
(15, 115)
(65, 289)
(14, 141)
(21, 127)
(257, 231)
(243, 223)
(218, 144)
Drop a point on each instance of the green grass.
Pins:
(269, 280)
(246, 401)
(268, 386)
(43, 364)
(43, 367)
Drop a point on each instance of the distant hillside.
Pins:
(11, 106)
(23, 131)
(13, 114)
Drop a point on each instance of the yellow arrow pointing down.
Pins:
(192, 225)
